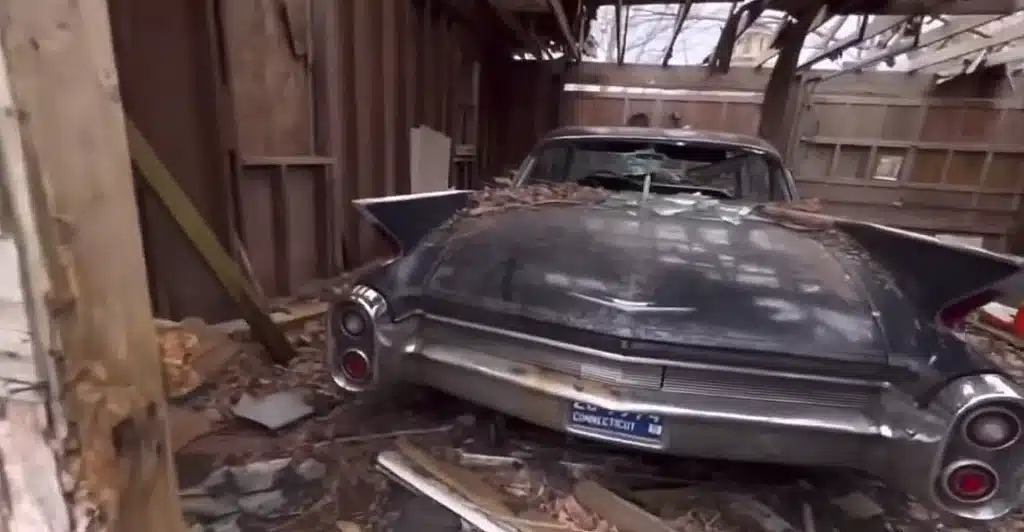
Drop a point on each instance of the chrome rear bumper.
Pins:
(694, 426)
(710, 412)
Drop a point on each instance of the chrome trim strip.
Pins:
(641, 360)
(571, 389)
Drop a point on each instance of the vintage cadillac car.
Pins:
(668, 297)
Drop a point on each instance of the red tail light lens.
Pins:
(355, 365)
(971, 482)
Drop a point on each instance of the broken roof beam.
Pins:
(563, 23)
(1010, 54)
(821, 18)
(959, 7)
(622, 20)
(877, 26)
(902, 46)
(525, 38)
(681, 16)
(891, 7)
(952, 28)
(738, 22)
(1008, 34)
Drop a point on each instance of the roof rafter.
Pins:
(877, 26)
(681, 15)
(819, 22)
(952, 28)
(898, 46)
(1005, 35)
(563, 23)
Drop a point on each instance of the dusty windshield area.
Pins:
(665, 167)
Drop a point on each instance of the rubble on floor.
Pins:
(317, 466)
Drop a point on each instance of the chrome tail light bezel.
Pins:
(372, 307)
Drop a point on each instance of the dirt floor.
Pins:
(319, 474)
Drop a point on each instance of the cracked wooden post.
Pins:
(65, 87)
(778, 106)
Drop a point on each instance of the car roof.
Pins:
(655, 133)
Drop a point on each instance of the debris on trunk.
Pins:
(498, 199)
(800, 215)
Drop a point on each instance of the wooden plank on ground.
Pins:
(65, 85)
(471, 486)
(191, 222)
(626, 516)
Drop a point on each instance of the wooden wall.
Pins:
(887, 147)
(274, 114)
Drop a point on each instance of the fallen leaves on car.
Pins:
(498, 199)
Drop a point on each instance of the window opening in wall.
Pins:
(887, 167)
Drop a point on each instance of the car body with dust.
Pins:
(666, 290)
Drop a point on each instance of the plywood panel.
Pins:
(269, 58)
(285, 222)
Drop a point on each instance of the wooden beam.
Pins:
(954, 28)
(721, 57)
(625, 24)
(1010, 54)
(563, 22)
(525, 38)
(933, 7)
(224, 268)
(779, 109)
(877, 25)
(773, 52)
(891, 7)
(681, 16)
(65, 86)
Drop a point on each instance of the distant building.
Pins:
(749, 47)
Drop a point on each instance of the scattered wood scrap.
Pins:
(523, 498)
(624, 515)
(192, 353)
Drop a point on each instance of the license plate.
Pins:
(624, 426)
